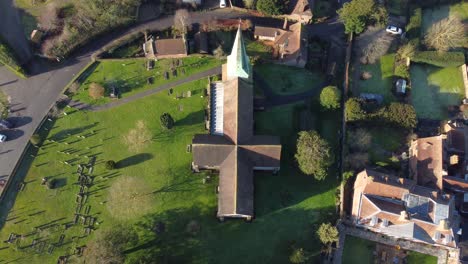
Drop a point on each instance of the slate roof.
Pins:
(379, 197)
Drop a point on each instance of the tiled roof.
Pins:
(170, 46)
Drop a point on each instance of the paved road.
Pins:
(31, 98)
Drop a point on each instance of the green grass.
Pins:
(287, 204)
(433, 15)
(434, 89)
(288, 80)
(420, 258)
(381, 81)
(357, 250)
(130, 76)
(384, 142)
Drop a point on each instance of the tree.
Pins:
(110, 164)
(250, 4)
(96, 91)
(330, 97)
(446, 34)
(218, 52)
(399, 114)
(271, 7)
(109, 244)
(313, 155)
(380, 16)
(35, 139)
(298, 256)
(182, 21)
(359, 139)
(327, 233)
(355, 15)
(354, 111)
(357, 161)
(167, 121)
(406, 51)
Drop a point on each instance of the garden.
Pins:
(379, 79)
(153, 190)
(132, 76)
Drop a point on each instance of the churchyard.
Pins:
(152, 188)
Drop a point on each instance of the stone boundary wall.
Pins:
(465, 78)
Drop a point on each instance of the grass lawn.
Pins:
(384, 142)
(226, 40)
(357, 250)
(288, 80)
(381, 81)
(434, 89)
(433, 15)
(131, 76)
(420, 258)
(287, 204)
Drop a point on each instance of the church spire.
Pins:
(238, 64)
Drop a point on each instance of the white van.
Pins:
(222, 3)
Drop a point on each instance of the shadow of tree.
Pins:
(134, 160)
(191, 119)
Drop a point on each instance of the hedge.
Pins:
(434, 3)
(413, 29)
(8, 58)
(440, 59)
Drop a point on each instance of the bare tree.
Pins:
(182, 21)
(49, 19)
(446, 34)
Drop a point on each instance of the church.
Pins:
(231, 146)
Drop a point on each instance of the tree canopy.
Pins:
(313, 155)
(327, 233)
(354, 110)
(109, 244)
(167, 121)
(271, 7)
(400, 114)
(330, 97)
(356, 14)
(299, 255)
(446, 34)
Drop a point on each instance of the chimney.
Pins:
(285, 25)
(443, 225)
(403, 216)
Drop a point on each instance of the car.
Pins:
(5, 125)
(394, 30)
(3, 138)
(222, 3)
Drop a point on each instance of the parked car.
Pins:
(394, 30)
(5, 125)
(222, 3)
(3, 138)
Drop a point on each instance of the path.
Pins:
(167, 86)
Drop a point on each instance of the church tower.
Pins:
(238, 64)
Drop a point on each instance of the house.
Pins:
(165, 48)
(288, 43)
(400, 208)
(231, 147)
(440, 161)
(300, 11)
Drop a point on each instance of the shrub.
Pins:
(327, 233)
(313, 154)
(35, 139)
(413, 29)
(51, 184)
(401, 70)
(167, 121)
(440, 59)
(250, 4)
(354, 110)
(96, 91)
(330, 97)
(355, 15)
(271, 7)
(110, 164)
(399, 114)
(298, 256)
